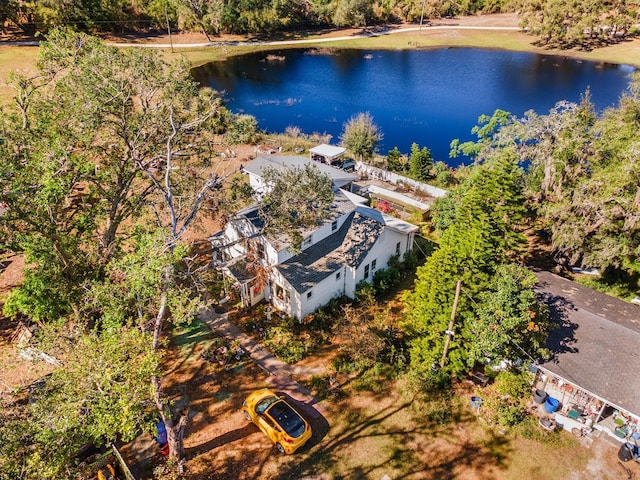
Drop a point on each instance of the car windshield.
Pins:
(265, 403)
(288, 419)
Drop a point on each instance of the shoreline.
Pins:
(494, 31)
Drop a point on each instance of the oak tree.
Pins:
(361, 135)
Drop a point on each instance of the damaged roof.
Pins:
(341, 205)
(348, 246)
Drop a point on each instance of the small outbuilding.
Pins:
(329, 154)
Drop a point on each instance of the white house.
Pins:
(352, 243)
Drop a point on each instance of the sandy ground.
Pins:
(160, 36)
(486, 21)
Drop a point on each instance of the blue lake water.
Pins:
(425, 96)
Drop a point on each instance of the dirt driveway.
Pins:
(363, 435)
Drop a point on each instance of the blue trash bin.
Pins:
(162, 433)
(551, 404)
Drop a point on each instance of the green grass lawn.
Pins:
(623, 53)
(15, 59)
(628, 52)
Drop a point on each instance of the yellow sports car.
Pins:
(277, 419)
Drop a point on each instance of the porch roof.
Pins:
(597, 344)
(327, 151)
(239, 269)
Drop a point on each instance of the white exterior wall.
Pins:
(325, 230)
(382, 251)
(292, 307)
(272, 257)
(283, 255)
(299, 305)
(253, 297)
(256, 183)
(235, 234)
(322, 293)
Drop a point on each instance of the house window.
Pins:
(309, 294)
(373, 264)
(366, 271)
(398, 248)
(334, 225)
(260, 250)
(282, 294)
(307, 241)
(338, 275)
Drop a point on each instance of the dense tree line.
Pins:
(234, 16)
(584, 24)
(94, 200)
(581, 24)
(569, 173)
(105, 164)
(108, 157)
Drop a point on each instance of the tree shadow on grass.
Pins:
(474, 457)
(403, 449)
(223, 439)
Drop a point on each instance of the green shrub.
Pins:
(504, 403)
(385, 279)
(365, 293)
(285, 345)
(319, 385)
(243, 129)
(374, 378)
(394, 263)
(322, 321)
(438, 410)
(426, 381)
(345, 364)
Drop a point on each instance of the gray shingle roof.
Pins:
(597, 346)
(240, 269)
(347, 246)
(280, 162)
